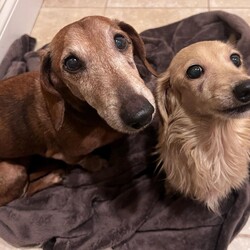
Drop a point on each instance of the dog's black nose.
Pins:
(138, 113)
(242, 91)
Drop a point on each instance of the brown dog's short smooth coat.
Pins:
(88, 92)
(204, 140)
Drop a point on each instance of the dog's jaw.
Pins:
(237, 111)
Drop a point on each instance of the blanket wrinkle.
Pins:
(16, 53)
(124, 206)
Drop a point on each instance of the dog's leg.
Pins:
(51, 179)
(13, 181)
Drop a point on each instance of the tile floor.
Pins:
(142, 14)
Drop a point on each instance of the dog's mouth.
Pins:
(237, 110)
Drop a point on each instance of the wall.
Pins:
(17, 17)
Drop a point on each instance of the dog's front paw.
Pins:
(51, 179)
(56, 176)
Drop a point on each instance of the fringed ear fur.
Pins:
(139, 49)
(232, 39)
(162, 96)
(55, 102)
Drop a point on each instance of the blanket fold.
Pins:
(124, 206)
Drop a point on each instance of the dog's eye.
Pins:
(72, 64)
(235, 58)
(120, 42)
(194, 71)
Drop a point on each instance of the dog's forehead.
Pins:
(88, 29)
(98, 22)
(88, 34)
(202, 52)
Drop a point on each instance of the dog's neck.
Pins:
(208, 156)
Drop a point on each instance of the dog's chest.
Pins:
(217, 156)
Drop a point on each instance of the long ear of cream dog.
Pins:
(204, 140)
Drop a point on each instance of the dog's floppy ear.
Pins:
(163, 96)
(232, 40)
(139, 49)
(53, 98)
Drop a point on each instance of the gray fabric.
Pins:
(15, 54)
(124, 206)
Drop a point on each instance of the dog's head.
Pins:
(206, 78)
(94, 60)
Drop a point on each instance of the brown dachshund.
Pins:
(86, 95)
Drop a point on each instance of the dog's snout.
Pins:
(137, 114)
(142, 117)
(242, 91)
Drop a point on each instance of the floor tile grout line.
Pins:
(128, 7)
(106, 4)
(105, 8)
(174, 7)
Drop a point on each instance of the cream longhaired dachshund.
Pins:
(204, 140)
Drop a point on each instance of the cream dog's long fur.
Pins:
(204, 139)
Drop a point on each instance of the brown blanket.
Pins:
(124, 206)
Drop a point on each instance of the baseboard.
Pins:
(17, 17)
